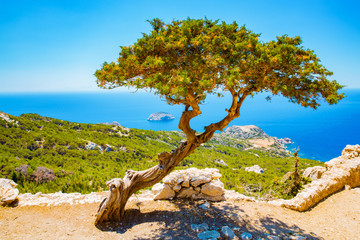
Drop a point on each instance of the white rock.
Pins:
(197, 180)
(314, 172)
(186, 183)
(228, 233)
(186, 193)
(205, 205)
(214, 188)
(351, 151)
(220, 162)
(201, 196)
(163, 191)
(8, 191)
(170, 179)
(177, 188)
(255, 169)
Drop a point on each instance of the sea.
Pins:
(318, 134)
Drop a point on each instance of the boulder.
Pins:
(255, 169)
(314, 172)
(228, 232)
(8, 191)
(351, 151)
(213, 188)
(193, 183)
(201, 196)
(109, 148)
(209, 235)
(186, 193)
(198, 180)
(93, 146)
(162, 191)
(220, 162)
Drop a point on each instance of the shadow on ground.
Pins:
(176, 223)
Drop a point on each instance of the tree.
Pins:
(184, 61)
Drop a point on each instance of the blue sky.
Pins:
(48, 46)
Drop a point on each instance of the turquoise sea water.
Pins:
(320, 134)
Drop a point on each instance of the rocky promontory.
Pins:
(161, 116)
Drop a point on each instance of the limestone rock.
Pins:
(205, 205)
(255, 169)
(314, 172)
(195, 184)
(160, 116)
(214, 188)
(163, 191)
(6, 117)
(351, 151)
(8, 191)
(186, 193)
(93, 146)
(201, 196)
(228, 232)
(186, 183)
(197, 180)
(220, 162)
(232, 195)
(209, 235)
(109, 148)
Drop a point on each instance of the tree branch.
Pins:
(233, 112)
(187, 115)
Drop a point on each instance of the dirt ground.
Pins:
(337, 217)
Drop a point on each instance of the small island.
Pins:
(161, 116)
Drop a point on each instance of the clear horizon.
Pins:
(56, 46)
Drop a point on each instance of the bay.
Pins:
(319, 134)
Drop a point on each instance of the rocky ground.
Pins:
(337, 217)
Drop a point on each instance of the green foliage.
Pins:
(60, 145)
(291, 183)
(199, 56)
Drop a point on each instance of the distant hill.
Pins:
(43, 154)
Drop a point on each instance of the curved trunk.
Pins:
(112, 208)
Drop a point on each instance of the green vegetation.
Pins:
(33, 141)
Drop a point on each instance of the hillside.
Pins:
(43, 154)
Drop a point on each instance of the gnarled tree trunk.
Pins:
(112, 208)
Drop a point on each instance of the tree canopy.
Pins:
(197, 57)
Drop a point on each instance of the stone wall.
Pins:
(191, 183)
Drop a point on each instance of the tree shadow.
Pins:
(176, 224)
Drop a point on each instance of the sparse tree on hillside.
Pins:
(184, 61)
